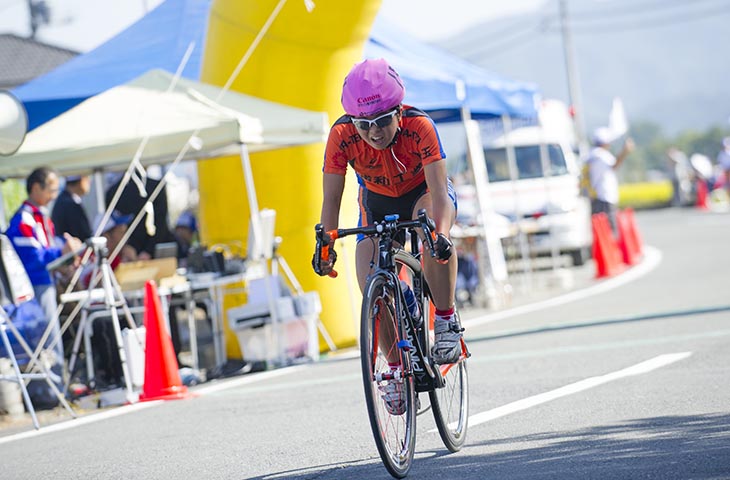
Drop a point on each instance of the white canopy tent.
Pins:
(106, 130)
(167, 119)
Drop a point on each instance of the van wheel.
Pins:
(580, 256)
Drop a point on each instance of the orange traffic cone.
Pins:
(703, 199)
(161, 375)
(626, 240)
(634, 231)
(605, 251)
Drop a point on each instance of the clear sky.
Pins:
(84, 24)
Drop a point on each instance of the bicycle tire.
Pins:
(450, 405)
(395, 435)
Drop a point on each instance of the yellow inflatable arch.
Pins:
(301, 61)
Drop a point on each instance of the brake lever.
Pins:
(429, 230)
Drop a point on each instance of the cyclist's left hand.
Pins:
(443, 248)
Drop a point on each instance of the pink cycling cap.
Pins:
(372, 86)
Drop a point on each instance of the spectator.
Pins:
(113, 230)
(723, 159)
(68, 213)
(602, 167)
(186, 229)
(680, 174)
(34, 237)
(144, 239)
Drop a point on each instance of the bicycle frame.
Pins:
(416, 329)
(393, 420)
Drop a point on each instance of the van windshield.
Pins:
(528, 162)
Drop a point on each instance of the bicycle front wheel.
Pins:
(451, 403)
(389, 387)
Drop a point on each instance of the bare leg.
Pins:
(365, 254)
(441, 278)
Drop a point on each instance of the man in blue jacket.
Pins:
(34, 237)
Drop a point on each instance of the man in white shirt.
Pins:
(602, 172)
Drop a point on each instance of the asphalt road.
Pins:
(622, 380)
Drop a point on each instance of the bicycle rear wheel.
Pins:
(450, 404)
(394, 432)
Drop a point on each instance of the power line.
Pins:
(612, 26)
(490, 36)
(657, 6)
(481, 45)
(645, 23)
(504, 47)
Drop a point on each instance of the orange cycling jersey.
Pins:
(393, 171)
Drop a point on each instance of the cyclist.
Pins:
(400, 165)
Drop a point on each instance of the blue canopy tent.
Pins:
(451, 89)
(442, 83)
(436, 81)
(160, 39)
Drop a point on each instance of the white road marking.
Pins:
(525, 403)
(228, 384)
(57, 427)
(652, 258)
(96, 417)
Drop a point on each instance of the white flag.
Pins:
(617, 122)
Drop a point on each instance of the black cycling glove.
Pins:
(443, 248)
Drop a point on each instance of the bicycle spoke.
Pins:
(451, 403)
(394, 432)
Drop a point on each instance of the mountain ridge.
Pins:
(669, 65)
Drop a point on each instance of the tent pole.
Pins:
(253, 203)
(99, 188)
(3, 214)
(272, 336)
(519, 220)
(494, 277)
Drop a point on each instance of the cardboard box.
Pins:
(252, 325)
(134, 275)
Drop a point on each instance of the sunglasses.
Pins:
(381, 122)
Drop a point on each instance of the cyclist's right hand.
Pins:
(443, 248)
(324, 258)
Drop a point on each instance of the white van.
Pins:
(548, 203)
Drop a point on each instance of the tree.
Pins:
(40, 14)
(652, 145)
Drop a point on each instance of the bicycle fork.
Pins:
(426, 376)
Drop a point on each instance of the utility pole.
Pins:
(574, 96)
(39, 14)
(33, 21)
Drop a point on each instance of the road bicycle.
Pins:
(395, 345)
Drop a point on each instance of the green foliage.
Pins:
(13, 192)
(707, 143)
(650, 156)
